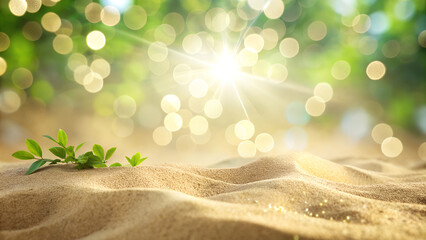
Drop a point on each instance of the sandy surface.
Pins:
(295, 196)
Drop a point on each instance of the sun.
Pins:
(226, 68)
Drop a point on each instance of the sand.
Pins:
(293, 196)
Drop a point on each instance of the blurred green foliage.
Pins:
(401, 92)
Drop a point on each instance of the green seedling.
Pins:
(97, 158)
(135, 160)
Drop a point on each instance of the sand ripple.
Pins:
(280, 197)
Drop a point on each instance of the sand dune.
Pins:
(295, 196)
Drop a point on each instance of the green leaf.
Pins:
(33, 147)
(129, 160)
(79, 146)
(110, 152)
(98, 151)
(90, 153)
(93, 160)
(36, 165)
(23, 155)
(62, 138)
(102, 165)
(134, 160)
(70, 151)
(83, 160)
(58, 151)
(70, 159)
(51, 138)
(137, 156)
(116, 165)
(139, 161)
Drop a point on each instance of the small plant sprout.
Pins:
(135, 160)
(97, 158)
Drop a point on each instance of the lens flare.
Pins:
(226, 68)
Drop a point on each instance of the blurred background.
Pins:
(199, 81)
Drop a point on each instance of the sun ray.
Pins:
(142, 40)
(240, 100)
(276, 83)
(240, 39)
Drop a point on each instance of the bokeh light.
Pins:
(125, 106)
(18, 7)
(173, 122)
(162, 136)
(376, 70)
(93, 12)
(110, 16)
(170, 103)
(392, 147)
(3, 66)
(4, 42)
(95, 40)
(93, 82)
(296, 114)
(254, 42)
(198, 88)
(101, 66)
(32, 31)
(317, 30)
(9, 101)
(355, 124)
(192, 43)
(51, 22)
(198, 125)
(22, 78)
(289, 47)
(340, 70)
(264, 142)
(277, 72)
(62, 44)
(244, 129)
(158, 52)
(247, 149)
(380, 132)
(361, 23)
(274, 9)
(324, 91)
(213, 109)
(135, 17)
(315, 106)
(247, 57)
(240, 77)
